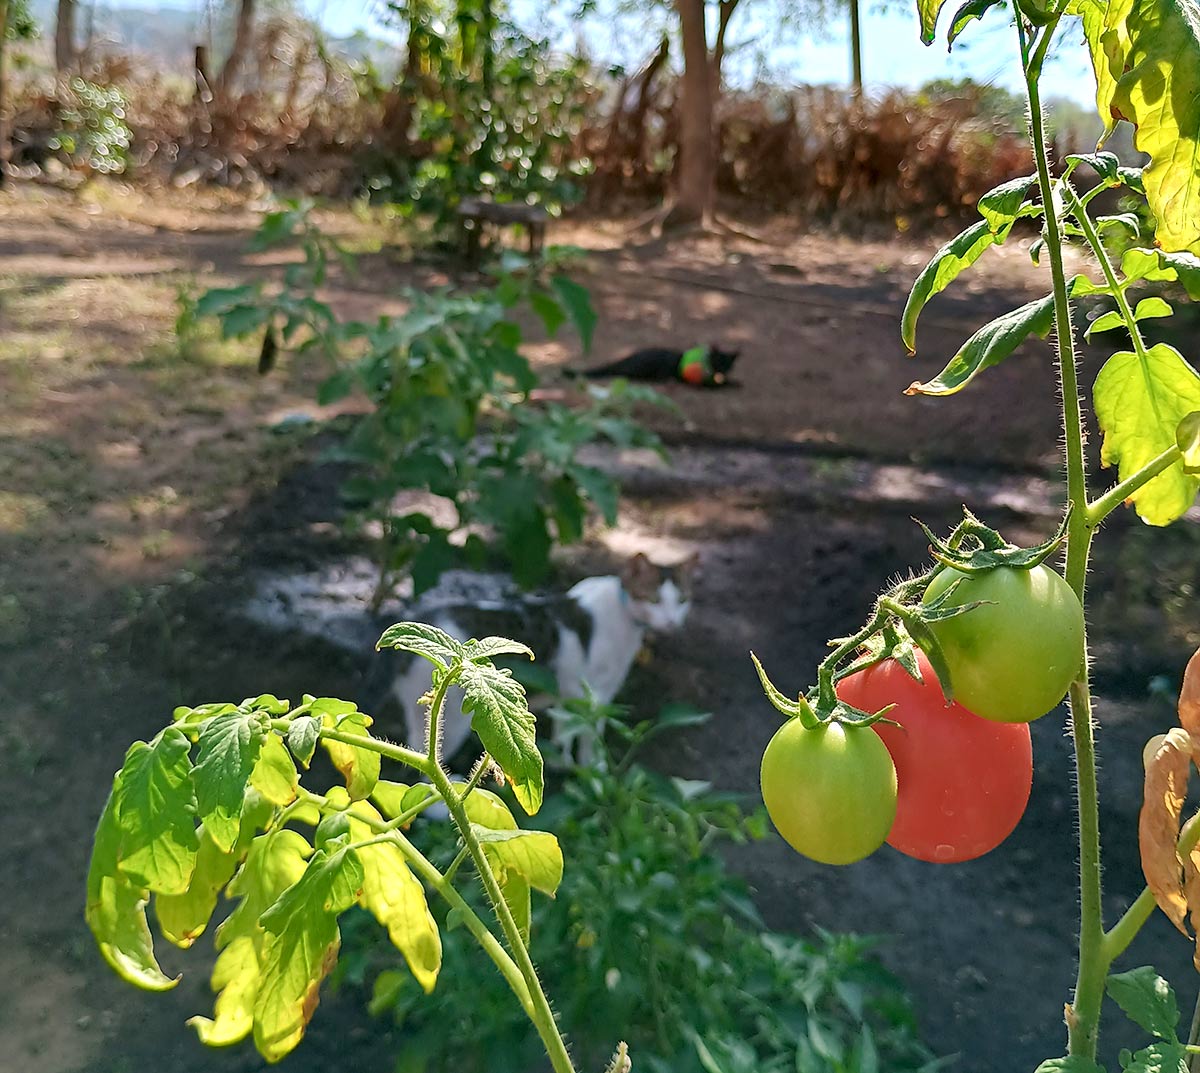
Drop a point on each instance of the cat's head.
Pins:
(659, 596)
(721, 363)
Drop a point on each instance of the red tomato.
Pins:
(695, 373)
(962, 781)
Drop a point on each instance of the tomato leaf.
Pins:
(182, 918)
(1189, 697)
(228, 752)
(1070, 1064)
(578, 303)
(395, 897)
(1001, 206)
(1106, 322)
(958, 254)
(1187, 437)
(967, 13)
(301, 949)
(1170, 1057)
(302, 736)
(1147, 1000)
(274, 775)
(156, 811)
(116, 908)
(359, 766)
(429, 642)
(989, 346)
(274, 863)
(489, 647)
(1158, 823)
(1139, 404)
(501, 717)
(927, 12)
(489, 810)
(534, 854)
(549, 310)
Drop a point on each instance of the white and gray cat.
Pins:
(591, 634)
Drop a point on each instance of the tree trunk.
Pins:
(724, 13)
(855, 49)
(64, 36)
(243, 38)
(694, 188)
(4, 142)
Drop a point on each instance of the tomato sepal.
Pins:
(975, 548)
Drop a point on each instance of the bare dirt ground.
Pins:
(141, 484)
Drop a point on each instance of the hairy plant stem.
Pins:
(1083, 1015)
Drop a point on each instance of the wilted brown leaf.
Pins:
(1158, 824)
(1189, 697)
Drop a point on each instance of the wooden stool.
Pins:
(476, 212)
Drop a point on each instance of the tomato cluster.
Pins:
(942, 782)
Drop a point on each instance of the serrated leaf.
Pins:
(1159, 1058)
(1147, 1000)
(533, 854)
(1187, 436)
(228, 752)
(1071, 1064)
(578, 304)
(395, 897)
(359, 767)
(1001, 206)
(958, 254)
(490, 647)
(116, 908)
(302, 736)
(1105, 165)
(1151, 48)
(501, 717)
(549, 310)
(274, 863)
(396, 798)
(301, 949)
(1184, 267)
(156, 813)
(1139, 404)
(275, 775)
(429, 642)
(966, 14)
(989, 346)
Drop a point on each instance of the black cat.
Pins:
(701, 366)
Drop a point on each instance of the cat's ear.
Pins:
(640, 577)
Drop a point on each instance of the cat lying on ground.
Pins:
(701, 366)
(592, 634)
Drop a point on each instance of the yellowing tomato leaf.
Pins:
(395, 897)
(989, 346)
(501, 717)
(533, 854)
(359, 767)
(116, 908)
(301, 949)
(958, 254)
(489, 810)
(182, 918)
(274, 775)
(155, 807)
(1147, 1000)
(1139, 404)
(1157, 92)
(1158, 824)
(274, 863)
(228, 752)
(927, 12)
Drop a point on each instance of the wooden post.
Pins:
(4, 138)
(856, 49)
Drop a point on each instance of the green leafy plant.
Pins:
(999, 628)
(451, 408)
(653, 940)
(93, 134)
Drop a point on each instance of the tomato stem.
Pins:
(1084, 1015)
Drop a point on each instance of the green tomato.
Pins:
(1013, 658)
(830, 791)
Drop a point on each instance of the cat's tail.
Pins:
(594, 373)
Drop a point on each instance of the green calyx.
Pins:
(974, 548)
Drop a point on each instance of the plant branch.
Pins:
(362, 741)
(1101, 508)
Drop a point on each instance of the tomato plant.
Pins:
(1013, 658)
(962, 781)
(829, 790)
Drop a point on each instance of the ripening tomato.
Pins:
(830, 791)
(1013, 658)
(962, 781)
